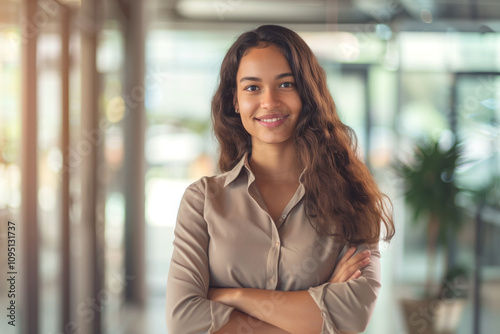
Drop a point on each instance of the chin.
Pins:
(275, 141)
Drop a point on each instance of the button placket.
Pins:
(275, 251)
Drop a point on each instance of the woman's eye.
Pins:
(287, 85)
(251, 88)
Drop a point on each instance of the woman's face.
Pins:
(266, 96)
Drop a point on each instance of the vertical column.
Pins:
(134, 164)
(29, 222)
(368, 115)
(362, 71)
(478, 255)
(451, 258)
(91, 263)
(65, 177)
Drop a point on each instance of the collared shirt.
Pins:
(225, 237)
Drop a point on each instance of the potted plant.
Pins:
(430, 192)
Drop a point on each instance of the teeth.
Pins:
(270, 120)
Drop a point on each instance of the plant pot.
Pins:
(432, 315)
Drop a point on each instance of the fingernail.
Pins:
(367, 252)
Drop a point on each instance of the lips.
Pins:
(271, 121)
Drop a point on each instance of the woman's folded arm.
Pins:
(341, 307)
(187, 308)
(348, 306)
(240, 322)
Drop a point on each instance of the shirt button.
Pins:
(272, 280)
(277, 243)
(283, 217)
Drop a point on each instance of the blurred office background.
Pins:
(105, 119)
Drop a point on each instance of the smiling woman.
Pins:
(285, 240)
(266, 96)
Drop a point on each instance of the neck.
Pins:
(275, 163)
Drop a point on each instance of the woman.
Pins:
(285, 239)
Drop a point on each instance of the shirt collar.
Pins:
(301, 176)
(235, 172)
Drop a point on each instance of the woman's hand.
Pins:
(349, 267)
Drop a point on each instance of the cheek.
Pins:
(245, 103)
(298, 102)
(299, 106)
(246, 114)
(296, 107)
(247, 122)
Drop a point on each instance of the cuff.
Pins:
(317, 293)
(220, 315)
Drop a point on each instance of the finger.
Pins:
(348, 265)
(361, 255)
(357, 258)
(357, 263)
(348, 254)
(346, 272)
(357, 274)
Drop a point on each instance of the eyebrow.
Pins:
(279, 76)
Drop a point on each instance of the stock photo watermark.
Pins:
(31, 26)
(88, 308)
(425, 316)
(485, 89)
(221, 7)
(91, 139)
(266, 309)
(381, 16)
(11, 273)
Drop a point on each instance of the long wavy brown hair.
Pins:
(340, 192)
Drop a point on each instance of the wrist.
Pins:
(228, 296)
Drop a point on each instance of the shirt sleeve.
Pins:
(348, 306)
(188, 310)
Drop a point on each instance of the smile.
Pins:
(271, 120)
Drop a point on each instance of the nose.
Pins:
(269, 99)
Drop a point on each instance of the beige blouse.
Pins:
(225, 237)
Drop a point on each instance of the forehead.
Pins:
(263, 60)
